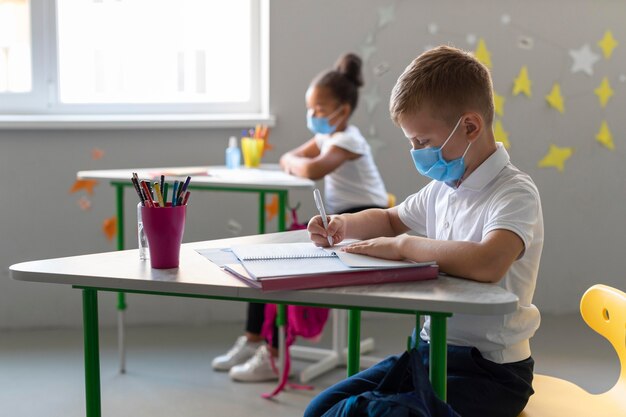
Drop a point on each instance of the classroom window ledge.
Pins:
(134, 121)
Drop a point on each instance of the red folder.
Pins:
(336, 279)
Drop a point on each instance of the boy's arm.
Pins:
(366, 224)
(484, 261)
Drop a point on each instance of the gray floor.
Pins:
(169, 374)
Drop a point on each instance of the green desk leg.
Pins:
(92, 359)
(282, 210)
(261, 212)
(281, 323)
(438, 353)
(354, 341)
(121, 297)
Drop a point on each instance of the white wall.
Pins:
(583, 206)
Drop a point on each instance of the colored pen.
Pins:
(320, 206)
(162, 181)
(151, 190)
(146, 192)
(184, 188)
(174, 195)
(138, 190)
(186, 198)
(186, 183)
(165, 194)
(157, 190)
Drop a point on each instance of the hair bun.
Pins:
(349, 65)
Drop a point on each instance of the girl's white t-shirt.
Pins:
(356, 182)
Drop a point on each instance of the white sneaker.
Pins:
(257, 369)
(241, 351)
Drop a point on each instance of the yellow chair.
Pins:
(604, 309)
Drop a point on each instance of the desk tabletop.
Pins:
(197, 276)
(267, 175)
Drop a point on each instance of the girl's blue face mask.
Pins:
(320, 124)
(430, 163)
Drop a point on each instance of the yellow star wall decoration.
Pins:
(482, 53)
(555, 99)
(604, 92)
(522, 82)
(556, 158)
(604, 136)
(498, 102)
(607, 44)
(500, 134)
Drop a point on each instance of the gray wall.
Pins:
(583, 206)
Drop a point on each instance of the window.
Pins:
(134, 57)
(15, 66)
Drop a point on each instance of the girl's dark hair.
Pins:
(344, 80)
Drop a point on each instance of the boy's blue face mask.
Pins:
(430, 163)
(320, 124)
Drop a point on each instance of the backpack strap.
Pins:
(284, 375)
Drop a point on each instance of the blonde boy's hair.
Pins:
(448, 82)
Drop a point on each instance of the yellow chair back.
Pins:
(604, 309)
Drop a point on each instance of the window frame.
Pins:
(41, 107)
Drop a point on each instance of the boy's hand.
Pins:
(380, 247)
(336, 230)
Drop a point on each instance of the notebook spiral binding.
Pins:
(295, 256)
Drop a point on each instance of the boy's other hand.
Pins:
(380, 247)
(336, 230)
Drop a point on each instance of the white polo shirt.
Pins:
(356, 182)
(496, 195)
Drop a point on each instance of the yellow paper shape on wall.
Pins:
(604, 92)
(607, 44)
(604, 136)
(482, 53)
(500, 134)
(556, 158)
(86, 185)
(498, 102)
(555, 99)
(522, 82)
(109, 227)
(272, 208)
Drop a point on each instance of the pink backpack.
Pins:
(307, 322)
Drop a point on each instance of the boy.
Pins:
(479, 219)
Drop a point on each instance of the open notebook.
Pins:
(292, 266)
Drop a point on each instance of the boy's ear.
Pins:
(473, 125)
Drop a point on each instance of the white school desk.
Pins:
(267, 179)
(198, 277)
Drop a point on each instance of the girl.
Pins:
(340, 155)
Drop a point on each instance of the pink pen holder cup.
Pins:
(164, 228)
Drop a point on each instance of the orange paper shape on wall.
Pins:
(109, 227)
(84, 203)
(97, 154)
(86, 185)
(272, 208)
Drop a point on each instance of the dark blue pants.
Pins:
(476, 387)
